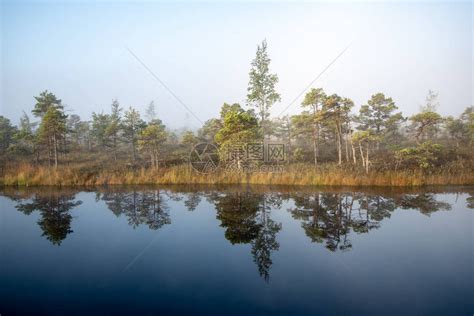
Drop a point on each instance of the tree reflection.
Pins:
(192, 201)
(330, 217)
(245, 216)
(426, 203)
(470, 201)
(55, 214)
(146, 207)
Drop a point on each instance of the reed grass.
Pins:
(298, 174)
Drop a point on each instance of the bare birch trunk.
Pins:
(367, 162)
(339, 146)
(346, 148)
(353, 151)
(361, 154)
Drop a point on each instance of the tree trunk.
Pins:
(353, 151)
(315, 149)
(315, 137)
(339, 145)
(115, 148)
(346, 147)
(134, 155)
(367, 162)
(361, 154)
(289, 141)
(49, 151)
(55, 148)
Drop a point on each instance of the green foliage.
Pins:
(467, 117)
(24, 138)
(7, 132)
(45, 101)
(112, 132)
(239, 126)
(52, 131)
(151, 140)
(424, 156)
(425, 125)
(132, 125)
(366, 136)
(53, 124)
(100, 123)
(336, 110)
(322, 134)
(189, 139)
(314, 99)
(261, 89)
(209, 130)
(378, 115)
(298, 155)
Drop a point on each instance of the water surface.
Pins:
(236, 250)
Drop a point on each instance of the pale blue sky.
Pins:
(202, 51)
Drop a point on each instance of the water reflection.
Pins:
(140, 207)
(245, 216)
(426, 203)
(470, 201)
(327, 218)
(54, 209)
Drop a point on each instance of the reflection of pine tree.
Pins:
(337, 223)
(309, 210)
(55, 210)
(426, 203)
(266, 242)
(153, 210)
(246, 219)
(237, 212)
(193, 200)
(145, 207)
(330, 217)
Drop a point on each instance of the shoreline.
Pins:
(295, 175)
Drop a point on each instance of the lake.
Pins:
(245, 250)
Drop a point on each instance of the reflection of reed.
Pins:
(22, 191)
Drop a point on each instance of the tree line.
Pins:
(327, 130)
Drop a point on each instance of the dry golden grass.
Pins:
(79, 175)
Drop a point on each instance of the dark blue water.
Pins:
(236, 251)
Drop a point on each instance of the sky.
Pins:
(202, 53)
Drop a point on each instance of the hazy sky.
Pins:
(202, 52)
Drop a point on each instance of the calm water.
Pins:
(236, 250)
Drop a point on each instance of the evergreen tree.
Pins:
(315, 99)
(45, 101)
(132, 126)
(52, 131)
(151, 140)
